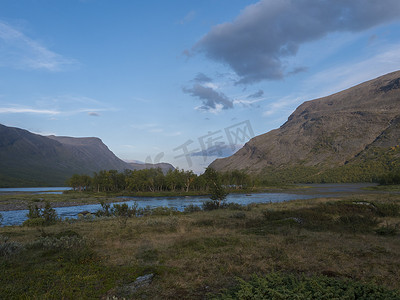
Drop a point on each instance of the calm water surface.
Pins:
(36, 190)
(17, 217)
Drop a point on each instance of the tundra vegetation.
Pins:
(154, 180)
(177, 181)
(325, 248)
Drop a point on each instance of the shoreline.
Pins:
(21, 200)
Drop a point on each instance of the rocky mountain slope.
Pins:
(28, 159)
(324, 134)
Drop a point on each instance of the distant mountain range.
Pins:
(28, 159)
(353, 135)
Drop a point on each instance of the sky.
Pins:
(183, 81)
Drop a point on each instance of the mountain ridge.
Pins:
(327, 132)
(28, 159)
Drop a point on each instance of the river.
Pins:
(17, 217)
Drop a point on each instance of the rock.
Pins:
(140, 282)
(84, 213)
(128, 290)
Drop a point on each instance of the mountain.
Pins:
(165, 167)
(28, 159)
(353, 131)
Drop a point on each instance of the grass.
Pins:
(201, 254)
(389, 188)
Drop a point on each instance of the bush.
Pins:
(41, 216)
(357, 223)
(104, 211)
(34, 212)
(123, 210)
(8, 248)
(210, 205)
(59, 243)
(388, 230)
(283, 286)
(34, 222)
(239, 215)
(387, 209)
(49, 214)
(164, 211)
(235, 206)
(117, 210)
(191, 208)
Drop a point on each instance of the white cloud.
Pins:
(74, 104)
(19, 110)
(144, 126)
(214, 110)
(283, 106)
(188, 18)
(245, 102)
(156, 130)
(19, 51)
(172, 134)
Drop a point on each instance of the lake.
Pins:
(35, 190)
(17, 217)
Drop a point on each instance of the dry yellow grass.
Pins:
(203, 252)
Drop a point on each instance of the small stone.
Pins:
(141, 281)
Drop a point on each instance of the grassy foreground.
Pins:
(352, 240)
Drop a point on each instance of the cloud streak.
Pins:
(21, 52)
(256, 44)
(23, 110)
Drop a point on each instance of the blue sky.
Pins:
(154, 79)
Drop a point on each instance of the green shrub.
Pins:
(104, 211)
(239, 215)
(49, 214)
(68, 233)
(34, 222)
(8, 248)
(41, 216)
(164, 211)
(212, 204)
(357, 223)
(283, 286)
(387, 209)
(34, 212)
(191, 208)
(388, 230)
(61, 243)
(235, 206)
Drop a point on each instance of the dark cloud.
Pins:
(209, 96)
(202, 78)
(256, 95)
(93, 114)
(257, 42)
